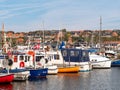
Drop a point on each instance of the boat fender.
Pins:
(22, 64)
(10, 62)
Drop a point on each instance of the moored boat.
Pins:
(19, 74)
(6, 78)
(74, 69)
(43, 61)
(77, 57)
(99, 61)
(17, 64)
(52, 69)
(38, 73)
(115, 63)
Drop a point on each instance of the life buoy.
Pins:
(10, 62)
(22, 64)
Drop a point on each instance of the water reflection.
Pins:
(97, 79)
(37, 79)
(6, 87)
(64, 81)
(19, 85)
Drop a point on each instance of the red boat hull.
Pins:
(6, 78)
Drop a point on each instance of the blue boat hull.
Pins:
(38, 73)
(115, 63)
(13, 70)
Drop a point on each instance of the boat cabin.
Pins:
(21, 61)
(3, 61)
(75, 55)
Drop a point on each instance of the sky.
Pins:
(31, 15)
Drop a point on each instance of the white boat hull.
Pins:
(52, 69)
(21, 76)
(98, 61)
(84, 66)
(101, 64)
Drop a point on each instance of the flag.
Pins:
(37, 46)
(62, 45)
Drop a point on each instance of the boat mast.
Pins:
(43, 37)
(100, 32)
(3, 35)
(4, 39)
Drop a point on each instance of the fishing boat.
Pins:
(37, 71)
(17, 64)
(6, 77)
(43, 61)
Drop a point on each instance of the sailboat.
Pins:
(57, 59)
(99, 61)
(5, 77)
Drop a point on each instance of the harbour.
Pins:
(97, 79)
(58, 45)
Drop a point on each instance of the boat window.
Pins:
(72, 53)
(84, 53)
(76, 53)
(28, 58)
(21, 57)
(25, 58)
(38, 58)
(49, 58)
(56, 56)
(6, 57)
(94, 60)
(64, 53)
(15, 58)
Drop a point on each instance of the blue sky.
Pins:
(30, 15)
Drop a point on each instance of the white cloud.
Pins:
(57, 14)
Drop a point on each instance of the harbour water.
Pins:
(97, 79)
